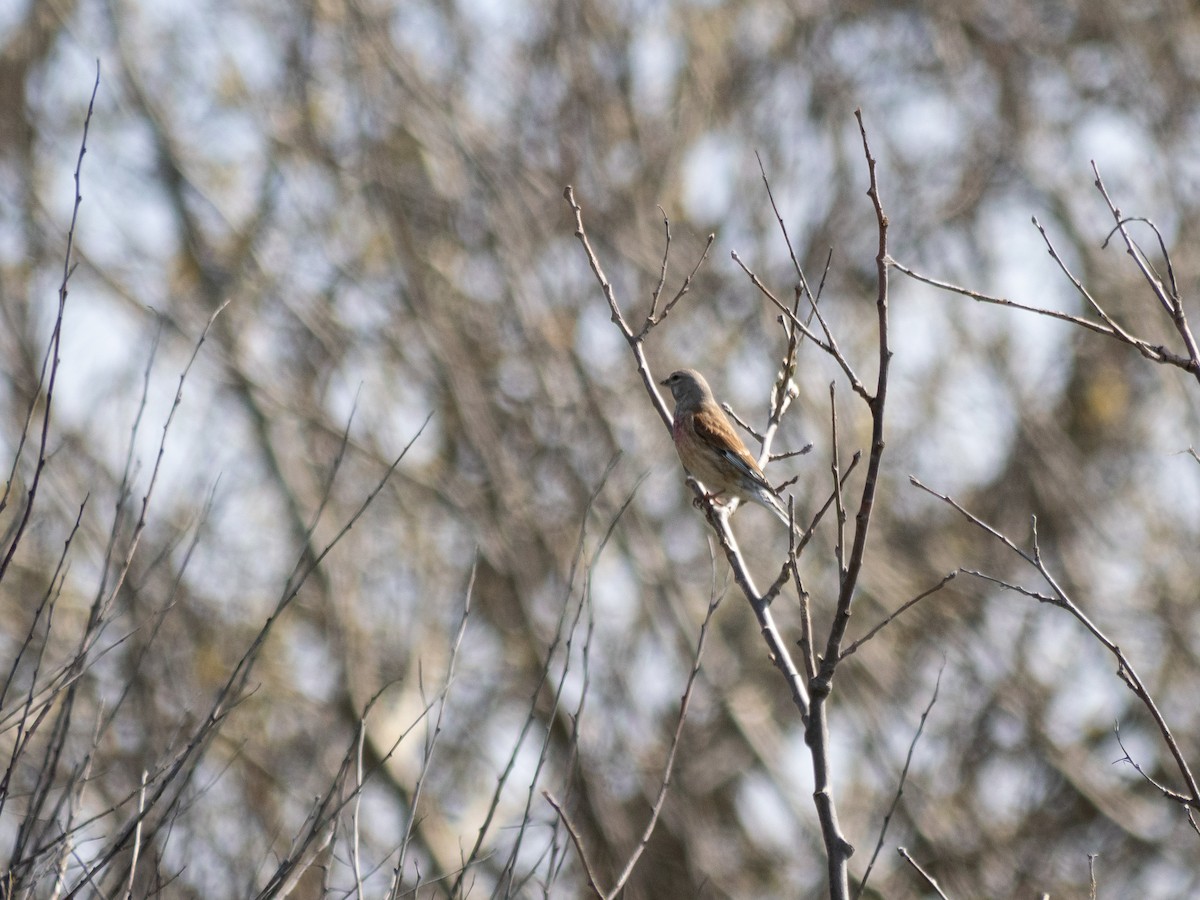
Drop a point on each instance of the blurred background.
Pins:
(376, 189)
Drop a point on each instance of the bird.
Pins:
(711, 450)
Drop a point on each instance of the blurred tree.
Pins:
(375, 189)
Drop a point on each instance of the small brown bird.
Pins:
(711, 450)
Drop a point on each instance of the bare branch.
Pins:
(685, 701)
(837, 848)
(1059, 597)
(904, 607)
(929, 879)
(776, 647)
(652, 319)
(783, 228)
(51, 359)
(662, 270)
(1170, 300)
(877, 403)
(807, 643)
(828, 345)
(577, 841)
(900, 786)
(1158, 786)
(634, 340)
(839, 507)
(829, 501)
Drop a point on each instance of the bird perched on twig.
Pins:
(711, 450)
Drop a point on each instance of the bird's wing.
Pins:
(714, 429)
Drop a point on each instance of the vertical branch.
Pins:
(656, 809)
(912, 746)
(839, 507)
(838, 850)
(51, 359)
(877, 404)
(806, 629)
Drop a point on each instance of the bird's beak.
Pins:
(664, 381)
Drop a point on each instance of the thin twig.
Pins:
(777, 648)
(807, 448)
(234, 688)
(355, 857)
(662, 271)
(543, 759)
(839, 507)
(820, 513)
(433, 733)
(577, 841)
(137, 839)
(900, 786)
(828, 345)
(782, 227)
(635, 341)
(1059, 597)
(1170, 300)
(1128, 758)
(565, 625)
(807, 644)
(51, 359)
(685, 701)
(877, 404)
(904, 607)
(652, 319)
(929, 879)
(1108, 327)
